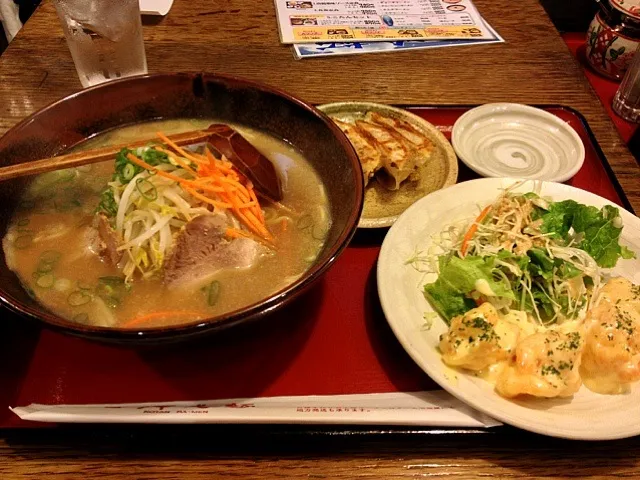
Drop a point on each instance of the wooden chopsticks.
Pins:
(90, 156)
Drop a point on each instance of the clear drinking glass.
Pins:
(104, 37)
(626, 101)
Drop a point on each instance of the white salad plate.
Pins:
(586, 415)
(514, 140)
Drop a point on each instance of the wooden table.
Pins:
(239, 37)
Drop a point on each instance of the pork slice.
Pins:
(108, 240)
(202, 249)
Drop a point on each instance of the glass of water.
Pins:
(104, 37)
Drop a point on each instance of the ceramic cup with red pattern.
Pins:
(613, 37)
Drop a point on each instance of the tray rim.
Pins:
(344, 430)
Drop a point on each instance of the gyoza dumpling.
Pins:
(368, 153)
(398, 159)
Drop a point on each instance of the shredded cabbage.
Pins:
(528, 253)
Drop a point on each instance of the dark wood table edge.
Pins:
(252, 436)
(282, 440)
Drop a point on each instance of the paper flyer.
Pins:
(436, 409)
(311, 21)
(332, 49)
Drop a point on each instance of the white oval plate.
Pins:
(585, 416)
(514, 140)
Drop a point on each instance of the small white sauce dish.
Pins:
(520, 141)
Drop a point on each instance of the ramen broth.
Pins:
(47, 243)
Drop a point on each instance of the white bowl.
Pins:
(514, 140)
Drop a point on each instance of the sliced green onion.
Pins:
(23, 223)
(27, 204)
(77, 298)
(72, 190)
(304, 222)
(66, 205)
(213, 293)
(112, 289)
(82, 285)
(147, 189)
(67, 175)
(81, 318)
(46, 280)
(50, 256)
(45, 267)
(111, 280)
(128, 172)
(319, 232)
(47, 194)
(62, 284)
(23, 241)
(110, 301)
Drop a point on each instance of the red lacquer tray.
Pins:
(333, 340)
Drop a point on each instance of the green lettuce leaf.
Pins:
(627, 253)
(463, 273)
(449, 294)
(559, 218)
(447, 301)
(600, 237)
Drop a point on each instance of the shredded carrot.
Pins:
(472, 230)
(206, 188)
(209, 155)
(152, 316)
(204, 198)
(238, 212)
(284, 224)
(222, 164)
(226, 169)
(218, 176)
(242, 190)
(179, 150)
(257, 210)
(247, 217)
(236, 233)
(175, 178)
(258, 225)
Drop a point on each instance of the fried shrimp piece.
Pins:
(545, 364)
(611, 358)
(478, 339)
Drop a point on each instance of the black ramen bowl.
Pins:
(73, 119)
